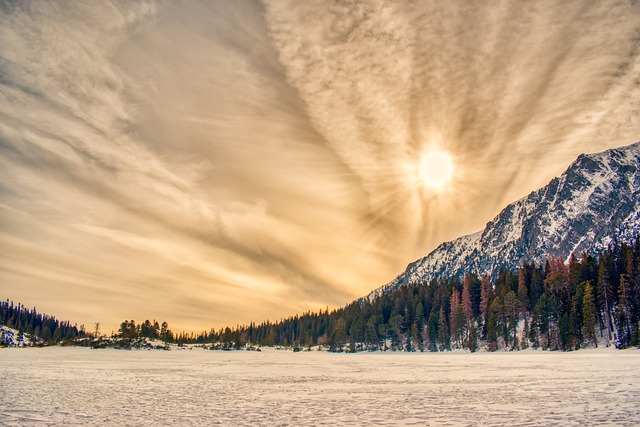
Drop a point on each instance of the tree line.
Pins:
(46, 328)
(555, 305)
(147, 329)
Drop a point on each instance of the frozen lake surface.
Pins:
(75, 386)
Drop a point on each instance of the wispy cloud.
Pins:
(517, 87)
(221, 162)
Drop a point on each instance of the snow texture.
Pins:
(77, 386)
(596, 200)
(13, 338)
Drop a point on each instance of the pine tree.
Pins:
(493, 314)
(57, 335)
(432, 330)
(524, 339)
(383, 333)
(456, 318)
(573, 342)
(589, 314)
(415, 338)
(605, 297)
(623, 312)
(371, 334)
(485, 295)
(419, 316)
(472, 339)
(557, 276)
(395, 322)
(338, 336)
(523, 298)
(443, 332)
(511, 322)
(563, 331)
(485, 299)
(466, 299)
(536, 289)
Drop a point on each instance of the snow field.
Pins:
(78, 386)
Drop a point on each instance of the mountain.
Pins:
(596, 200)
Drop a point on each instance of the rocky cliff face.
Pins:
(596, 200)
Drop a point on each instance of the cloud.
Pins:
(153, 174)
(516, 87)
(224, 162)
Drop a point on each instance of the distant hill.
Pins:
(21, 326)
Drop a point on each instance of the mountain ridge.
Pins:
(595, 201)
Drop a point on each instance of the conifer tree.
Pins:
(472, 338)
(623, 312)
(574, 329)
(467, 310)
(524, 339)
(605, 298)
(466, 299)
(338, 336)
(523, 298)
(589, 314)
(432, 330)
(419, 316)
(511, 319)
(416, 342)
(444, 342)
(395, 322)
(563, 331)
(536, 289)
(46, 333)
(493, 314)
(456, 318)
(371, 334)
(486, 296)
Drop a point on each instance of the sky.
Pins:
(214, 163)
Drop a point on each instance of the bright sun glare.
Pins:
(436, 169)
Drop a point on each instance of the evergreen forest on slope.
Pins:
(554, 306)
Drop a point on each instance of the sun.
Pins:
(436, 169)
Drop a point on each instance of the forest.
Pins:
(556, 305)
(47, 329)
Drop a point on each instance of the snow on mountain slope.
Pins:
(594, 201)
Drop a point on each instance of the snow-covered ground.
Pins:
(79, 386)
(12, 338)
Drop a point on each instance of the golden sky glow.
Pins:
(221, 162)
